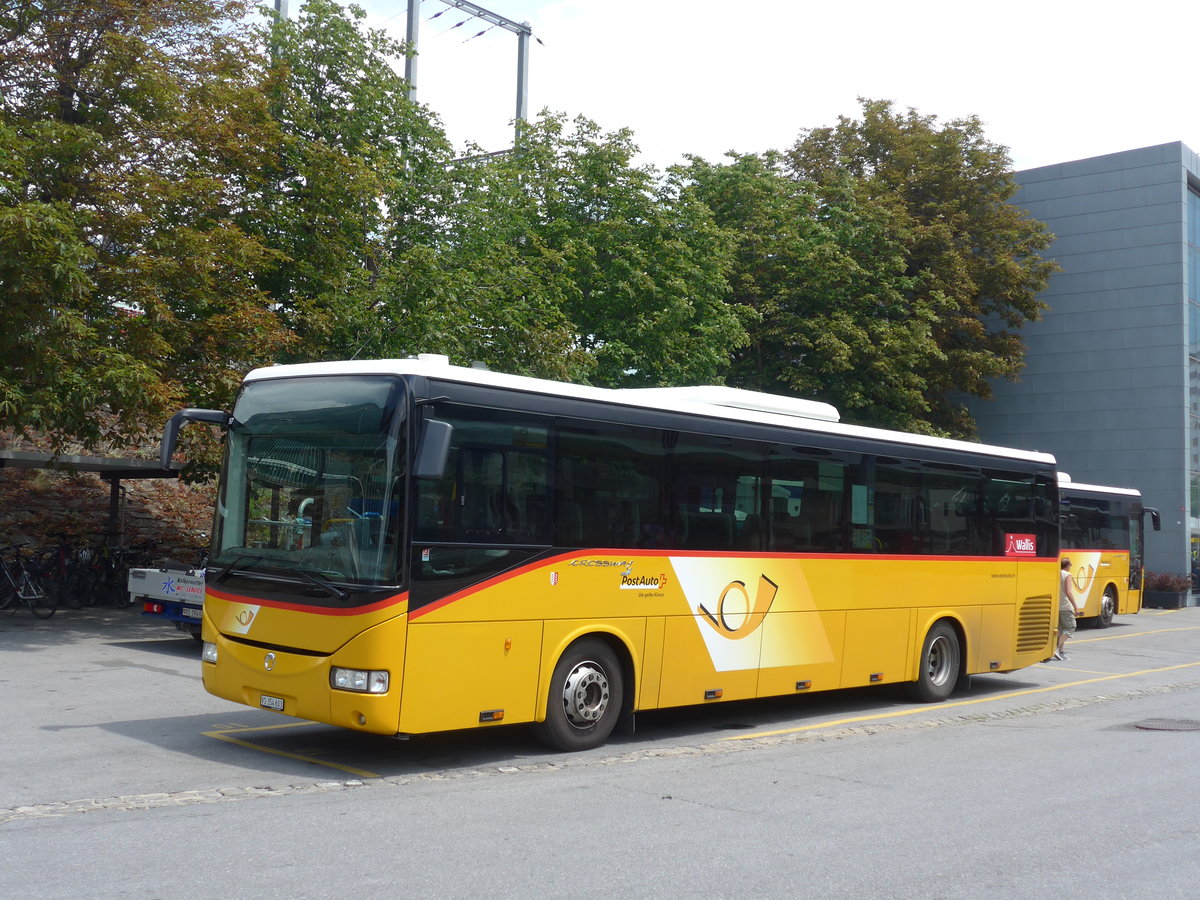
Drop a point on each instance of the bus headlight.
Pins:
(209, 652)
(367, 681)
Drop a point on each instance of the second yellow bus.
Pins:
(1103, 534)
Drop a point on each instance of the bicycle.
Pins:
(21, 584)
(102, 571)
(55, 563)
(135, 556)
(86, 573)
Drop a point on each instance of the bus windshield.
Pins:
(313, 479)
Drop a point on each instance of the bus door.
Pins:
(1132, 601)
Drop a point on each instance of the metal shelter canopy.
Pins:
(110, 468)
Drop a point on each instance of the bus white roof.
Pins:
(714, 401)
(1066, 483)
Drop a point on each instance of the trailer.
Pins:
(170, 595)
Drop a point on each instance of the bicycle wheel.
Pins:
(6, 593)
(117, 586)
(53, 578)
(93, 587)
(36, 597)
(84, 580)
(79, 587)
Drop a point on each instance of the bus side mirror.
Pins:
(433, 449)
(171, 432)
(1155, 518)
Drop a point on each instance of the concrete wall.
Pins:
(1105, 387)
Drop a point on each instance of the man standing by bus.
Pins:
(1068, 609)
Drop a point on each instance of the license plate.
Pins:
(268, 702)
(191, 613)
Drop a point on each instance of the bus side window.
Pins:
(482, 486)
(707, 530)
(525, 496)
(568, 524)
(625, 524)
(959, 522)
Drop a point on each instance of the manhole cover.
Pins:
(1169, 725)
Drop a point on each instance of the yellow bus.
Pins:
(1103, 534)
(406, 546)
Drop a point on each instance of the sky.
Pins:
(1053, 80)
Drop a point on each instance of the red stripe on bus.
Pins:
(667, 554)
(393, 600)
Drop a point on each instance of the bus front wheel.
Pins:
(941, 665)
(586, 692)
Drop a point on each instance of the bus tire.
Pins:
(586, 693)
(941, 665)
(1108, 607)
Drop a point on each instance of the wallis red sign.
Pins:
(1020, 545)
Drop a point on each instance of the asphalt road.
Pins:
(120, 777)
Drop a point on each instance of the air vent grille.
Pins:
(1036, 624)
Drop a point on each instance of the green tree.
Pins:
(355, 182)
(648, 262)
(972, 256)
(825, 281)
(123, 129)
(562, 259)
(486, 291)
(628, 268)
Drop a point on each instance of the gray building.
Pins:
(1112, 381)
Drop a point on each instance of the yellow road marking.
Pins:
(920, 709)
(233, 729)
(1113, 637)
(226, 735)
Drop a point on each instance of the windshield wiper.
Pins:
(254, 560)
(311, 577)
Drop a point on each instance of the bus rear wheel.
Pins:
(585, 699)
(1108, 607)
(941, 665)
